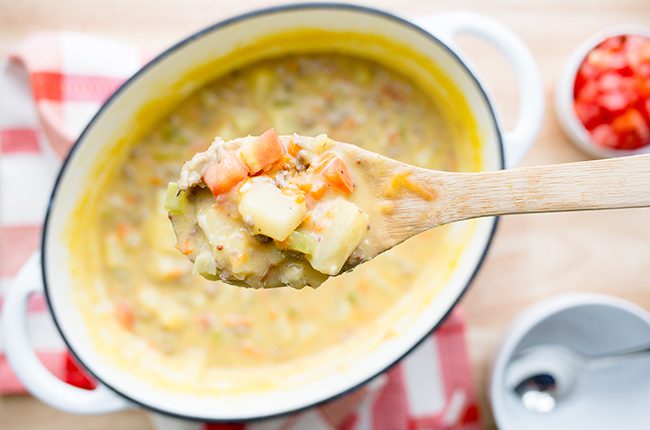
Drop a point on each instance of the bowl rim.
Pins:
(531, 317)
(482, 92)
(566, 116)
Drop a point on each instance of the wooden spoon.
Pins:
(421, 199)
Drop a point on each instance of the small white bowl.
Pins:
(610, 398)
(567, 117)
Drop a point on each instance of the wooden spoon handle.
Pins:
(604, 184)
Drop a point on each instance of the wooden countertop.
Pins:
(533, 256)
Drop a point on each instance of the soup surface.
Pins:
(179, 318)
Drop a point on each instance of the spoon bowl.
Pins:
(602, 397)
(542, 375)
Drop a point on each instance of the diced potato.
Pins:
(269, 210)
(346, 231)
(176, 200)
(169, 312)
(220, 230)
(263, 81)
(300, 273)
(238, 247)
(159, 232)
(149, 299)
(284, 119)
(205, 264)
(318, 144)
(245, 119)
(166, 266)
(254, 259)
(224, 174)
(114, 252)
(262, 152)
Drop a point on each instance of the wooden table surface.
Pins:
(533, 256)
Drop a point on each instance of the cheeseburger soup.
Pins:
(159, 319)
(272, 211)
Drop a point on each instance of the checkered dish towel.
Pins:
(49, 89)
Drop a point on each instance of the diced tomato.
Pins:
(633, 127)
(613, 101)
(588, 113)
(263, 152)
(612, 43)
(644, 53)
(610, 81)
(604, 136)
(612, 92)
(588, 71)
(606, 60)
(336, 172)
(644, 70)
(589, 92)
(646, 110)
(224, 174)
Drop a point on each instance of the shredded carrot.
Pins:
(281, 244)
(304, 186)
(124, 315)
(318, 190)
(401, 180)
(173, 275)
(185, 247)
(293, 148)
(123, 230)
(251, 350)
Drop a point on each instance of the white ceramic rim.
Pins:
(566, 116)
(530, 318)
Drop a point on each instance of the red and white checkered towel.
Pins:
(49, 89)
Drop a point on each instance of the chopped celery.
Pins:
(205, 264)
(301, 242)
(176, 200)
(263, 82)
(168, 131)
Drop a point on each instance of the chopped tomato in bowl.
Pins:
(603, 99)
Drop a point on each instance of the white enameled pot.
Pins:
(431, 37)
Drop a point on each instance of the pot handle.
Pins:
(24, 361)
(448, 25)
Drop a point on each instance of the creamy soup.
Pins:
(176, 316)
(272, 211)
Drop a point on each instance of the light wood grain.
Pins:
(532, 257)
(415, 199)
